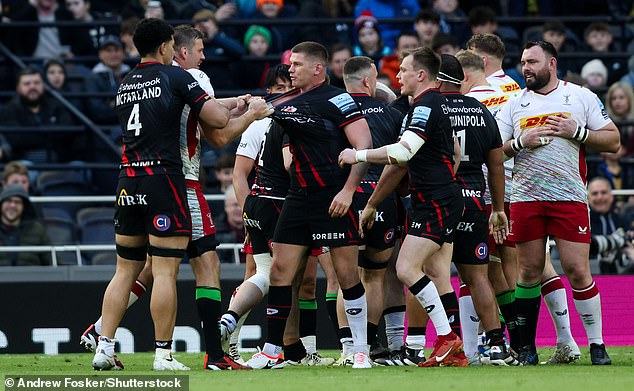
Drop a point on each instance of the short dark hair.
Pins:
(27, 71)
(150, 34)
(427, 15)
(312, 49)
(406, 33)
(442, 39)
(278, 72)
(356, 64)
(546, 47)
(490, 44)
(185, 36)
(597, 26)
(425, 58)
(555, 26)
(481, 15)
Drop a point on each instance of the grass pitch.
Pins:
(580, 376)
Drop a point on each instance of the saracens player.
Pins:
(480, 143)
(320, 121)
(359, 76)
(427, 145)
(151, 100)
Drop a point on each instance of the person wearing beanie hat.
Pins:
(282, 35)
(255, 46)
(18, 227)
(269, 8)
(368, 38)
(251, 74)
(384, 9)
(595, 73)
(480, 143)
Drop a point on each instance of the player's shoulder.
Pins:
(576, 89)
(198, 74)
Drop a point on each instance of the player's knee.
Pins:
(261, 281)
(577, 275)
(403, 272)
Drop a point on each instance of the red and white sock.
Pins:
(588, 303)
(554, 294)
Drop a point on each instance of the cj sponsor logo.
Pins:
(482, 251)
(162, 222)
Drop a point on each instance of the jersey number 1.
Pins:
(133, 122)
(462, 139)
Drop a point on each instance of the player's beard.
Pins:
(539, 80)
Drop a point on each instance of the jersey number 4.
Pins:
(133, 122)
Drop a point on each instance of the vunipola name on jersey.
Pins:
(554, 172)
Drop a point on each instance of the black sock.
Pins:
(280, 301)
(331, 306)
(527, 302)
(372, 330)
(450, 302)
(209, 307)
(506, 302)
(344, 332)
(495, 337)
(163, 344)
(307, 317)
(295, 351)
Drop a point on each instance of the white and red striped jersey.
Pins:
(190, 132)
(557, 171)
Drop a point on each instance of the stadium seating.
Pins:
(62, 231)
(95, 227)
